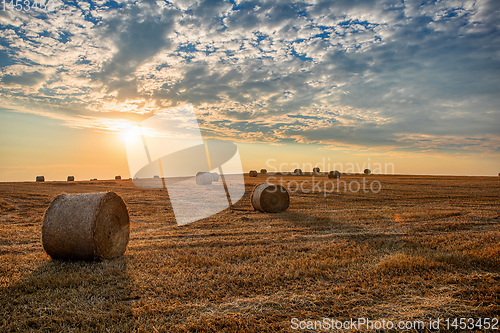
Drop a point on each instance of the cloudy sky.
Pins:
(413, 83)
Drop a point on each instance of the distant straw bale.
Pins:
(252, 173)
(71, 178)
(270, 198)
(118, 177)
(297, 172)
(334, 174)
(40, 179)
(367, 171)
(86, 226)
(204, 178)
(316, 170)
(263, 171)
(215, 176)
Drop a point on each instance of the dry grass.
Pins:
(424, 247)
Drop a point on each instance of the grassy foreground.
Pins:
(423, 247)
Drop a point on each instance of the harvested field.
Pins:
(423, 247)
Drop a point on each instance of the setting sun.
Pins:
(131, 133)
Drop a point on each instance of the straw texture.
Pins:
(86, 226)
(270, 198)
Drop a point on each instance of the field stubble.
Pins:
(423, 247)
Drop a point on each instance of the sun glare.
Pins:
(131, 133)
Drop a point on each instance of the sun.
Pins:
(132, 133)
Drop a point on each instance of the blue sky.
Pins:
(401, 78)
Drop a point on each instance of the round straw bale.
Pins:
(40, 179)
(334, 174)
(215, 176)
(71, 178)
(263, 170)
(86, 226)
(297, 172)
(270, 198)
(316, 170)
(204, 178)
(156, 177)
(252, 173)
(367, 171)
(118, 177)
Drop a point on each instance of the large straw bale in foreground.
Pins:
(270, 198)
(86, 226)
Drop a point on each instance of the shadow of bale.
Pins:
(71, 296)
(318, 222)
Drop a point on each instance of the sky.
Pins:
(413, 84)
